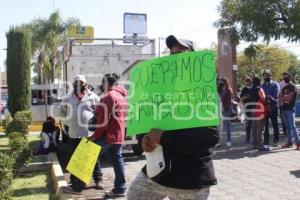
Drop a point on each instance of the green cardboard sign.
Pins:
(173, 92)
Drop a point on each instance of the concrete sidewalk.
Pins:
(243, 173)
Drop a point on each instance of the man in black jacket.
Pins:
(189, 150)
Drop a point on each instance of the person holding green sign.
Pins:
(187, 153)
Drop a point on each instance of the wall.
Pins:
(94, 61)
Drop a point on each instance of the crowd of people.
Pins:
(102, 120)
(187, 152)
(261, 102)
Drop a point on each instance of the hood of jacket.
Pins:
(119, 89)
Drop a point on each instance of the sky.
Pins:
(191, 19)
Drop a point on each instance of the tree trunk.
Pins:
(41, 59)
(52, 63)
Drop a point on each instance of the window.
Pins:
(39, 97)
(225, 48)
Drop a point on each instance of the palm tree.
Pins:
(47, 36)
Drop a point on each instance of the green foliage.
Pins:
(16, 135)
(24, 116)
(47, 35)
(16, 126)
(6, 176)
(294, 69)
(5, 123)
(266, 19)
(20, 123)
(19, 150)
(18, 69)
(275, 58)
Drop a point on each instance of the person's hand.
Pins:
(286, 99)
(152, 139)
(91, 138)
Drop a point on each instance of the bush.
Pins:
(19, 150)
(24, 116)
(20, 123)
(17, 141)
(18, 63)
(6, 176)
(5, 122)
(16, 126)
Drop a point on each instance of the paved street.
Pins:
(242, 172)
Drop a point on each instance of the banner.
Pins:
(83, 160)
(173, 92)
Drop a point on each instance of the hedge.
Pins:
(18, 61)
(19, 153)
(19, 150)
(20, 123)
(6, 176)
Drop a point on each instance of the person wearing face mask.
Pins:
(110, 129)
(281, 85)
(287, 100)
(271, 90)
(76, 109)
(245, 97)
(258, 110)
(192, 172)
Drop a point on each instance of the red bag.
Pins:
(261, 109)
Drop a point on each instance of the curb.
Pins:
(59, 178)
(38, 163)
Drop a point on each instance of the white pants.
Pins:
(143, 188)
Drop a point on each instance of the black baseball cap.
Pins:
(172, 40)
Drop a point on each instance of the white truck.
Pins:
(102, 56)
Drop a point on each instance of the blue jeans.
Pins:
(227, 123)
(288, 117)
(272, 115)
(114, 154)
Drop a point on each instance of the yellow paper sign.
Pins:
(83, 160)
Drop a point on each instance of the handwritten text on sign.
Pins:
(173, 92)
(83, 160)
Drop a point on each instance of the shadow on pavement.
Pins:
(239, 148)
(296, 173)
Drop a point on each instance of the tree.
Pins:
(18, 69)
(275, 58)
(47, 36)
(267, 19)
(294, 69)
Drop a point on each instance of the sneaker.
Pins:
(298, 147)
(287, 145)
(70, 190)
(114, 194)
(228, 144)
(98, 186)
(264, 148)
